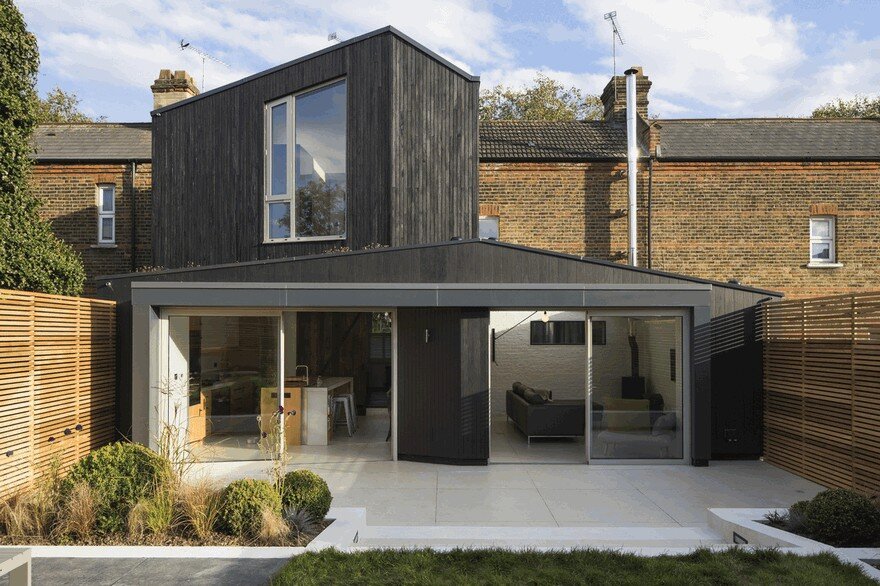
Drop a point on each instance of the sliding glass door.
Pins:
(222, 385)
(637, 386)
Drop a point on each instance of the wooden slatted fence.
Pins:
(822, 389)
(57, 382)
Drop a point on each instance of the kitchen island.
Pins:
(318, 423)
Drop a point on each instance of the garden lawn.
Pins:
(581, 567)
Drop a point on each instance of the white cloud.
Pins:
(705, 57)
(851, 68)
(591, 83)
(723, 55)
(139, 35)
(125, 44)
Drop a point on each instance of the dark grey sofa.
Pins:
(564, 418)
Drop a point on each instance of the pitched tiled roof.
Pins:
(769, 139)
(536, 140)
(96, 141)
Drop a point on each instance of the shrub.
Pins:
(79, 512)
(842, 518)
(155, 514)
(797, 515)
(199, 504)
(120, 474)
(305, 490)
(32, 513)
(300, 521)
(242, 506)
(273, 529)
(29, 514)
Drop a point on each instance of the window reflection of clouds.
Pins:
(321, 126)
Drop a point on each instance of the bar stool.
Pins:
(353, 409)
(341, 404)
(351, 406)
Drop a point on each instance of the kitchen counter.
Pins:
(331, 383)
(317, 426)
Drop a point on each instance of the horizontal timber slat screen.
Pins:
(822, 389)
(57, 382)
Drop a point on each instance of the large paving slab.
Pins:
(153, 571)
(564, 495)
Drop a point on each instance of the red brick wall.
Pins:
(748, 221)
(69, 202)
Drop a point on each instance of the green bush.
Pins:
(32, 258)
(303, 489)
(242, 504)
(120, 475)
(797, 515)
(842, 518)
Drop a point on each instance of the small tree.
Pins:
(544, 99)
(61, 106)
(857, 107)
(31, 257)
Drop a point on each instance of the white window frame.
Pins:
(830, 240)
(103, 214)
(498, 221)
(290, 196)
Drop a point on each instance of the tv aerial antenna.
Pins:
(185, 46)
(334, 37)
(615, 38)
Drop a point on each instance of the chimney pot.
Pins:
(170, 88)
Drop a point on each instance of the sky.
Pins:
(706, 58)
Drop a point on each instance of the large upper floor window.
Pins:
(306, 185)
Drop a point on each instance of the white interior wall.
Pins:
(655, 336)
(611, 360)
(561, 369)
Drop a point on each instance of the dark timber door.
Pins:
(442, 396)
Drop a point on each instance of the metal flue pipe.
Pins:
(632, 162)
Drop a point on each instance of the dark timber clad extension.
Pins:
(411, 155)
(434, 151)
(720, 337)
(411, 181)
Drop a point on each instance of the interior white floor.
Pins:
(556, 495)
(366, 444)
(508, 445)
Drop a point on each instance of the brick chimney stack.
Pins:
(172, 87)
(615, 107)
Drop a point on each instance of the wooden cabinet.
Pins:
(292, 412)
(198, 420)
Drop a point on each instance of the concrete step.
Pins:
(405, 537)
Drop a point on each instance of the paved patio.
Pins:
(408, 493)
(155, 571)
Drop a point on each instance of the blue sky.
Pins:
(726, 58)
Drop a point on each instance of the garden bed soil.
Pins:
(784, 526)
(216, 539)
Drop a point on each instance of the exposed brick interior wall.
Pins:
(746, 221)
(69, 202)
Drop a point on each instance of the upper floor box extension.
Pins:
(370, 141)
